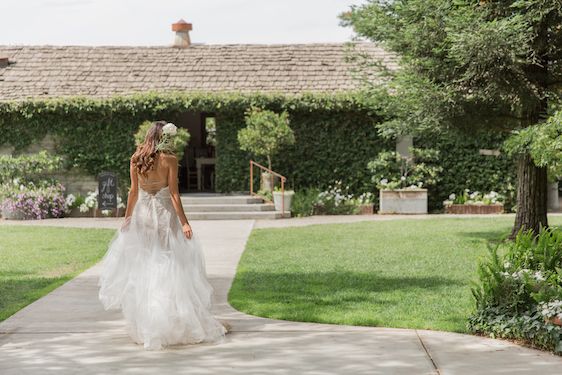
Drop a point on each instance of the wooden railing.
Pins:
(282, 178)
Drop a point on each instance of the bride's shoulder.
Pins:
(168, 158)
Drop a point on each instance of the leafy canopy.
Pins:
(543, 141)
(463, 63)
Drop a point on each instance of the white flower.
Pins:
(539, 276)
(403, 178)
(384, 181)
(70, 199)
(84, 208)
(452, 197)
(169, 129)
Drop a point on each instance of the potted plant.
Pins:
(365, 204)
(265, 133)
(402, 180)
(75, 206)
(88, 206)
(474, 203)
(279, 196)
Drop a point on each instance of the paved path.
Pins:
(68, 332)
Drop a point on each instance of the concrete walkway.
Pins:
(68, 332)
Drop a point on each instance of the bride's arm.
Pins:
(176, 200)
(133, 192)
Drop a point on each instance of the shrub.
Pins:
(29, 168)
(390, 170)
(520, 289)
(34, 202)
(304, 201)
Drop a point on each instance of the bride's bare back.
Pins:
(158, 177)
(163, 174)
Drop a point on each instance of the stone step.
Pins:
(228, 207)
(244, 215)
(192, 199)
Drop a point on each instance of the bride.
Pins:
(154, 269)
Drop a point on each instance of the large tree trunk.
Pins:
(531, 196)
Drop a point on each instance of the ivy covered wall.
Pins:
(335, 138)
(465, 168)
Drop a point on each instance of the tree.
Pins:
(495, 64)
(265, 132)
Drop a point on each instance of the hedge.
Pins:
(335, 137)
(465, 168)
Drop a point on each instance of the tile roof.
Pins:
(55, 71)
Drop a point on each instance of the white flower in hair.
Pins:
(169, 129)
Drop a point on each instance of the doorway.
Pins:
(197, 170)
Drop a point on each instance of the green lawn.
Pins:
(403, 273)
(36, 260)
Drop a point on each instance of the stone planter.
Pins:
(403, 201)
(12, 215)
(366, 209)
(474, 209)
(278, 199)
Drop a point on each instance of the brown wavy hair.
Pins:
(145, 155)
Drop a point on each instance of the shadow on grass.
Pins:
(16, 293)
(491, 237)
(313, 296)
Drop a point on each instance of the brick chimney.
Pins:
(182, 30)
(4, 61)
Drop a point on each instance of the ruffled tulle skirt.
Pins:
(157, 277)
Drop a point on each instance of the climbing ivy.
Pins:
(335, 137)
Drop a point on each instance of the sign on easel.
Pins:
(107, 191)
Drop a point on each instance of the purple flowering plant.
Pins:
(34, 201)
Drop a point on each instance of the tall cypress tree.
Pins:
(488, 63)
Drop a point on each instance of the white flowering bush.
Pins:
(90, 201)
(338, 200)
(391, 170)
(475, 197)
(551, 309)
(520, 291)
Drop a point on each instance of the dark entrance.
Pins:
(197, 169)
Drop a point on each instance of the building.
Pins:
(41, 72)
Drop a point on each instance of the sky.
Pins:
(148, 22)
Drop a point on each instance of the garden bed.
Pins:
(474, 209)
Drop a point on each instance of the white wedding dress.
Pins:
(157, 277)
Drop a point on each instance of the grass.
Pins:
(36, 260)
(403, 273)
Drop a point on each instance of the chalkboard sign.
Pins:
(107, 191)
